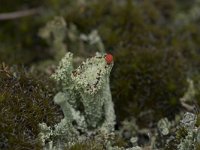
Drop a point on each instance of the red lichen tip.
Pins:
(109, 58)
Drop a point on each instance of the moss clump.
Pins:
(148, 80)
(119, 23)
(198, 120)
(24, 103)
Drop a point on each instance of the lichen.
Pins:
(54, 32)
(86, 86)
(164, 126)
(185, 137)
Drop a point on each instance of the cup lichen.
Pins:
(85, 98)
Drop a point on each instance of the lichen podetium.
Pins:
(85, 98)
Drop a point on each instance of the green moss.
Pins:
(24, 103)
(198, 120)
(151, 80)
(197, 146)
(118, 23)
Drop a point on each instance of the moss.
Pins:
(115, 21)
(24, 103)
(198, 120)
(152, 80)
(166, 8)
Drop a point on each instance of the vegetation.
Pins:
(24, 103)
(155, 45)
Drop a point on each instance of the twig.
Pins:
(19, 14)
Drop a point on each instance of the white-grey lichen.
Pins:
(188, 123)
(189, 96)
(64, 70)
(94, 39)
(164, 126)
(184, 135)
(190, 93)
(54, 32)
(85, 99)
